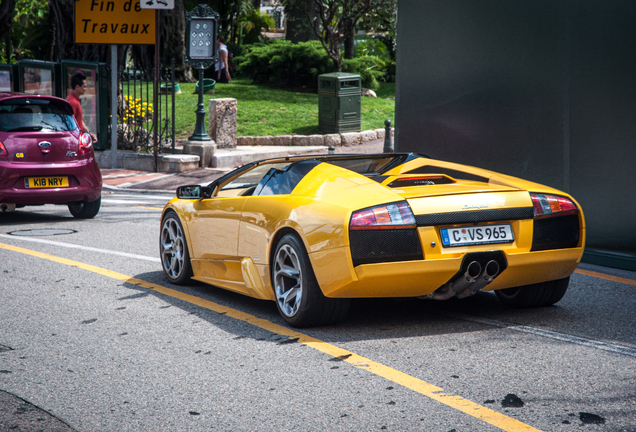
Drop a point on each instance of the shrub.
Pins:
(371, 47)
(282, 63)
(369, 68)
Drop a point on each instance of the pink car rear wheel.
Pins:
(85, 209)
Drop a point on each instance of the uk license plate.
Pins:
(45, 182)
(476, 235)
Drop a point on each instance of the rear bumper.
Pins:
(85, 183)
(51, 196)
(419, 278)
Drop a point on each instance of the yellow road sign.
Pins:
(120, 22)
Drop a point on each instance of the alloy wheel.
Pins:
(172, 248)
(288, 280)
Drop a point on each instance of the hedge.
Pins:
(282, 63)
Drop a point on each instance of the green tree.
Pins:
(26, 24)
(44, 29)
(7, 9)
(250, 27)
(383, 21)
(335, 20)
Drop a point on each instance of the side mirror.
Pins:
(194, 192)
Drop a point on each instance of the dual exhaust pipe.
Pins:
(474, 279)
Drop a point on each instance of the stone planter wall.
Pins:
(222, 122)
(336, 140)
(222, 125)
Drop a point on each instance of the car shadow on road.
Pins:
(24, 217)
(368, 319)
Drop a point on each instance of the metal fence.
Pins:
(135, 112)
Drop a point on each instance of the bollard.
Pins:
(332, 150)
(388, 138)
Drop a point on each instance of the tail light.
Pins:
(547, 205)
(85, 143)
(3, 151)
(388, 216)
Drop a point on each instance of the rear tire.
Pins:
(535, 295)
(85, 209)
(173, 250)
(299, 299)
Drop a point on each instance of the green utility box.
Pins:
(339, 102)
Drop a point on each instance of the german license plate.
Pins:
(476, 235)
(45, 182)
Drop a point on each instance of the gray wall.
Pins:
(540, 89)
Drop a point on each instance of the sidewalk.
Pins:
(145, 181)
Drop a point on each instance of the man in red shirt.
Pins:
(78, 88)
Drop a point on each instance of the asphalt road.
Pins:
(93, 338)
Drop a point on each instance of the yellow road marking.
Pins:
(436, 393)
(606, 277)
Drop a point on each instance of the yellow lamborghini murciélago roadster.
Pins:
(313, 232)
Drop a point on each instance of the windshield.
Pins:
(35, 115)
(254, 176)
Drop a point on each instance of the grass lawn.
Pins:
(266, 111)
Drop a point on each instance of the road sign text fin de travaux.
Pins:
(113, 22)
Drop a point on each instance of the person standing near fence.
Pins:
(222, 66)
(78, 88)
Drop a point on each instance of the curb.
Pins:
(110, 189)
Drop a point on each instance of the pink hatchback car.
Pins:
(44, 157)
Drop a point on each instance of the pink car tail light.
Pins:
(546, 205)
(3, 151)
(85, 143)
(388, 216)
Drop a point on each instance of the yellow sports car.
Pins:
(313, 232)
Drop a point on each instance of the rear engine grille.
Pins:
(460, 175)
(420, 181)
(385, 245)
(558, 232)
(474, 216)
